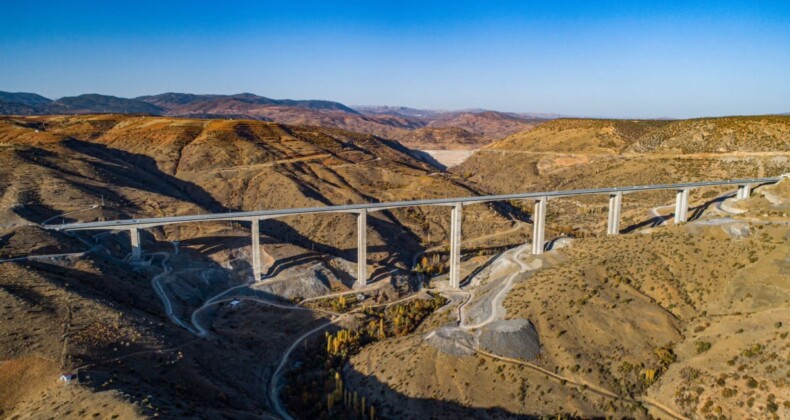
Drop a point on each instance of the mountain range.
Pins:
(416, 128)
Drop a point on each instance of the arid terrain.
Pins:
(672, 322)
(417, 129)
(663, 320)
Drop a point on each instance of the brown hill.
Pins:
(569, 153)
(579, 136)
(152, 166)
(581, 153)
(682, 321)
(97, 317)
(83, 308)
(624, 325)
(472, 129)
(490, 125)
(718, 135)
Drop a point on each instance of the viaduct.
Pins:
(456, 218)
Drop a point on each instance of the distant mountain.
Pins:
(401, 111)
(105, 104)
(23, 98)
(16, 108)
(415, 128)
(31, 104)
(172, 100)
(184, 103)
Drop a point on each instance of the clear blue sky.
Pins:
(587, 58)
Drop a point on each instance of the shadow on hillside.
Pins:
(141, 172)
(695, 212)
(178, 373)
(392, 404)
(185, 376)
(427, 158)
(120, 283)
(289, 262)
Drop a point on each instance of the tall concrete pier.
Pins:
(361, 210)
(362, 247)
(539, 226)
(681, 205)
(744, 191)
(256, 249)
(134, 235)
(456, 219)
(615, 204)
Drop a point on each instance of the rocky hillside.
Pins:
(570, 153)
(415, 128)
(153, 166)
(679, 319)
(677, 322)
(72, 304)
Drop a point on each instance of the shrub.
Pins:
(702, 346)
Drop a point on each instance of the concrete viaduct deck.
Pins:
(361, 210)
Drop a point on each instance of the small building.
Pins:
(235, 302)
(68, 377)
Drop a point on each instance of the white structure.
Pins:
(615, 204)
(456, 219)
(256, 249)
(539, 226)
(134, 236)
(744, 191)
(68, 377)
(681, 205)
(362, 247)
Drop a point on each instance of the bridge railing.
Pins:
(538, 217)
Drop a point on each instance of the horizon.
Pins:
(356, 107)
(642, 60)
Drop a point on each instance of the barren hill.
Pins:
(120, 324)
(664, 321)
(570, 153)
(415, 128)
(153, 166)
(678, 322)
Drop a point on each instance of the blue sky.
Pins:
(619, 59)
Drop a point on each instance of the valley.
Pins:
(664, 320)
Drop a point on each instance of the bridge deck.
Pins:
(369, 207)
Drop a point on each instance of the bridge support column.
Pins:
(744, 191)
(255, 251)
(362, 247)
(681, 206)
(615, 203)
(456, 219)
(539, 226)
(137, 250)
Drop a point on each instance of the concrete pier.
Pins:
(681, 205)
(539, 226)
(456, 219)
(615, 204)
(362, 247)
(137, 250)
(744, 191)
(256, 249)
